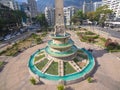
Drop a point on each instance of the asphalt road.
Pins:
(4, 44)
(111, 32)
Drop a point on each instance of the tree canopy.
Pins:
(100, 15)
(10, 19)
(78, 17)
(42, 20)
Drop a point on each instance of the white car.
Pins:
(7, 37)
(18, 33)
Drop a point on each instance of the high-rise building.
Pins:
(50, 14)
(113, 5)
(107, 2)
(97, 5)
(33, 8)
(2, 7)
(68, 13)
(25, 8)
(8, 3)
(87, 6)
(16, 5)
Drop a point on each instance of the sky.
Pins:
(43, 3)
(22, 0)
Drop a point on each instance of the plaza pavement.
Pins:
(15, 75)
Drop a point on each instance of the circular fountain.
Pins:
(61, 60)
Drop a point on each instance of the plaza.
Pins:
(15, 75)
(60, 58)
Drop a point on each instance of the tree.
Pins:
(42, 20)
(100, 15)
(78, 17)
(91, 16)
(10, 19)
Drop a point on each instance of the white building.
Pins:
(68, 13)
(8, 3)
(33, 8)
(16, 5)
(87, 7)
(113, 5)
(12, 4)
(107, 2)
(97, 5)
(50, 15)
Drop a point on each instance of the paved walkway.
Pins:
(15, 75)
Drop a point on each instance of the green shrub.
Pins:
(89, 79)
(96, 37)
(44, 34)
(2, 52)
(33, 81)
(1, 64)
(33, 35)
(89, 33)
(103, 39)
(60, 87)
(112, 47)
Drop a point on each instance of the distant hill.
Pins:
(50, 3)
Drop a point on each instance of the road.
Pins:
(5, 44)
(33, 29)
(111, 32)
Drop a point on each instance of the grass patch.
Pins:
(76, 60)
(41, 64)
(80, 51)
(91, 37)
(84, 56)
(53, 69)
(89, 33)
(1, 64)
(68, 69)
(39, 57)
(43, 34)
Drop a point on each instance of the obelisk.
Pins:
(59, 18)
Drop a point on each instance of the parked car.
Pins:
(18, 33)
(7, 37)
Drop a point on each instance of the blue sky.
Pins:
(22, 0)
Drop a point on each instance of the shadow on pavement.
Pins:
(99, 53)
(69, 88)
